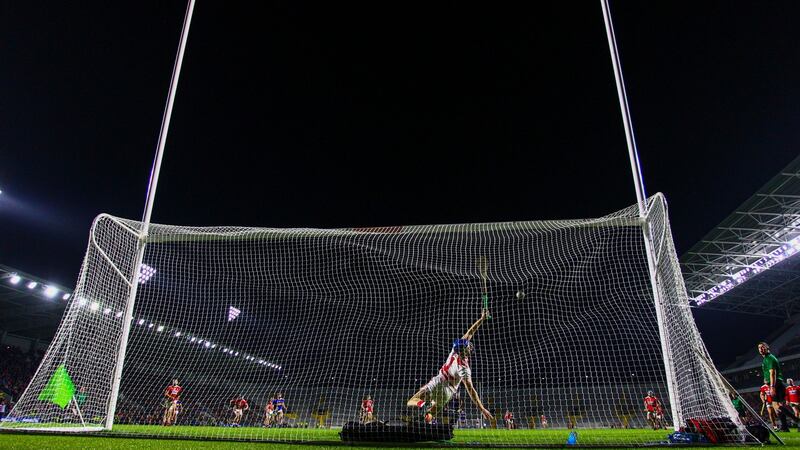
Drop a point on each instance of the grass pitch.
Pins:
(327, 438)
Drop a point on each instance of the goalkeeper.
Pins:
(440, 389)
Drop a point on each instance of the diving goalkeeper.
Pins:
(440, 389)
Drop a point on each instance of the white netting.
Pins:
(327, 317)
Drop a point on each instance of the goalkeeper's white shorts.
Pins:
(440, 391)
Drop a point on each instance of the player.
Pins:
(543, 419)
(433, 397)
(766, 402)
(651, 405)
(172, 403)
(660, 415)
(793, 396)
(771, 369)
(240, 405)
(366, 409)
(279, 404)
(269, 412)
(508, 417)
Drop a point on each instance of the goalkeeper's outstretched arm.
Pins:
(476, 399)
(471, 331)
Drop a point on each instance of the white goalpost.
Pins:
(327, 317)
(565, 324)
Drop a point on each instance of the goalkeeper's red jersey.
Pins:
(173, 392)
(650, 403)
(240, 404)
(793, 394)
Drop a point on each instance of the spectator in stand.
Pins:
(17, 369)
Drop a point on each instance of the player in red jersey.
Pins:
(172, 403)
(651, 406)
(766, 402)
(543, 419)
(367, 409)
(793, 396)
(660, 415)
(434, 396)
(269, 411)
(240, 405)
(508, 417)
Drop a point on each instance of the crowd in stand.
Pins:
(16, 370)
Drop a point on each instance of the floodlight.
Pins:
(233, 313)
(145, 273)
(66, 296)
(83, 301)
(160, 328)
(94, 306)
(107, 311)
(50, 292)
(118, 314)
(32, 284)
(140, 322)
(177, 334)
(15, 279)
(207, 344)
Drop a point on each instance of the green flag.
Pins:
(59, 389)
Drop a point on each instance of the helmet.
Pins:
(460, 345)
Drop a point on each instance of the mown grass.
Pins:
(223, 438)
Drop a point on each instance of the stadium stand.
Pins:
(748, 264)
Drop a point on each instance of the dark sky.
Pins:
(291, 114)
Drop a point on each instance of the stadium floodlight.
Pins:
(140, 322)
(107, 311)
(178, 334)
(160, 328)
(15, 279)
(207, 344)
(94, 306)
(146, 273)
(233, 313)
(66, 296)
(118, 314)
(787, 250)
(83, 301)
(193, 339)
(151, 325)
(32, 284)
(50, 292)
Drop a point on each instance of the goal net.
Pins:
(575, 339)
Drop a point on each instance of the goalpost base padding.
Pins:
(380, 432)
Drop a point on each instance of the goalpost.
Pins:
(326, 317)
(586, 317)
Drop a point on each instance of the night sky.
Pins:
(290, 114)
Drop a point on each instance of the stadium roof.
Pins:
(748, 263)
(30, 306)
